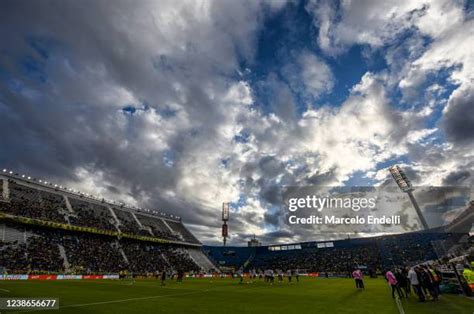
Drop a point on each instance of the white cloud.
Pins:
(376, 23)
(315, 74)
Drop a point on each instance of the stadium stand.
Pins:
(26, 201)
(158, 227)
(86, 253)
(180, 229)
(375, 253)
(128, 223)
(229, 256)
(88, 214)
(46, 229)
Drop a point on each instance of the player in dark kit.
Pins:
(297, 274)
(179, 277)
(163, 277)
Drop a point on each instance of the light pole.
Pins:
(225, 218)
(405, 185)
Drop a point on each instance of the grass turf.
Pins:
(227, 296)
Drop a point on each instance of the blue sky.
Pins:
(180, 106)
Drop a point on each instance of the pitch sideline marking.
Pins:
(132, 299)
(142, 298)
(5, 290)
(398, 303)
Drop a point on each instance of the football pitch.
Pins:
(226, 296)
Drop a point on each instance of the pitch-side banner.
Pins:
(13, 277)
(57, 277)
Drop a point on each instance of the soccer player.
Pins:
(163, 276)
(240, 274)
(288, 274)
(179, 277)
(280, 276)
(271, 276)
(253, 275)
(297, 275)
(358, 277)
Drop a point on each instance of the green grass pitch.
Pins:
(227, 296)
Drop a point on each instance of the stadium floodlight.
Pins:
(225, 218)
(11, 172)
(405, 185)
(29, 178)
(225, 211)
(22, 175)
(400, 178)
(4, 170)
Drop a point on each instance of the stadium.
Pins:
(237, 156)
(65, 244)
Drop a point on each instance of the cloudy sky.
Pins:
(182, 105)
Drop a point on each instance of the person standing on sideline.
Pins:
(427, 280)
(415, 283)
(436, 277)
(468, 275)
(402, 281)
(393, 283)
(358, 277)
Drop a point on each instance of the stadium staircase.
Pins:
(120, 249)
(62, 253)
(116, 222)
(68, 204)
(168, 226)
(202, 260)
(5, 191)
(142, 227)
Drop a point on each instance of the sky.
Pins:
(182, 105)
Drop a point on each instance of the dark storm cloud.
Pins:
(272, 218)
(458, 121)
(456, 178)
(321, 178)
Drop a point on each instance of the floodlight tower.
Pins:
(405, 185)
(225, 218)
